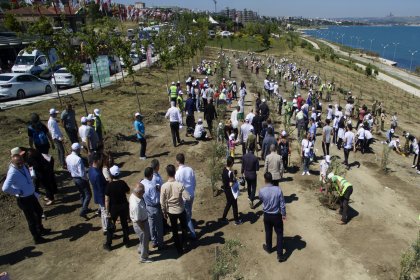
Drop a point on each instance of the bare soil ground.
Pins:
(384, 207)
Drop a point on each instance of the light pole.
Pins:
(412, 55)
(384, 46)
(395, 49)
(371, 40)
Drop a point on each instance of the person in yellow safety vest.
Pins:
(230, 70)
(329, 91)
(344, 189)
(268, 71)
(180, 103)
(173, 93)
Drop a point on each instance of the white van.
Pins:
(35, 62)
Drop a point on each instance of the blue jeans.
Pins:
(306, 162)
(188, 210)
(85, 193)
(155, 220)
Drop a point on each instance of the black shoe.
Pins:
(223, 221)
(282, 258)
(84, 216)
(107, 247)
(45, 231)
(266, 249)
(40, 240)
(238, 222)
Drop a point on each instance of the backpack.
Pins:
(38, 135)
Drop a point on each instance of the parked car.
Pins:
(35, 62)
(17, 85)
(63, 78)
(225, 34)
(134, 58)
(212, 34)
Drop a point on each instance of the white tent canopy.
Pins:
(212, 21)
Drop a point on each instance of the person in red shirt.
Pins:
(362, 113)
(299, 101)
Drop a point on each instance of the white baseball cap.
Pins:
(232, 136)
(97, 112)
(283, 133)
(392, 130)
(114, 170)
(200, 120)
(53, 111)
(83, 120)
(330, 175)
(263, 100)
(75, 146)
(90, 117)
(138, 114)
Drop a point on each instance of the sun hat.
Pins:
(16, 151)
(75, 146)
(53, 111)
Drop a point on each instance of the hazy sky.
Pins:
(306, 8)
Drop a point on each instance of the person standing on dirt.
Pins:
(39, 136)
(57, 136)
(82, 131)
(274, 208)
(249, 168)
(264, 110)
(138, 215)
(269, 140)
(19, 183)
(348, 144)
(99, 126)
(228, 179)
(116, 205)
(141, 134)
(77, 171)
(344, 190)
(326, 137)
(274, 165)
(68, 120)
(98, 182)
(189, 110)
(244, 132)
(283, 149)
(210, 114)
(175, 120)
(152, 200)
(186, 176)
(92, 139)
(172, 197)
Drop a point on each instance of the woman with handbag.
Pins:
(230, 186)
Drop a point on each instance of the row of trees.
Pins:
(176, 44)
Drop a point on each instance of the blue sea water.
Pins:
(391, 42)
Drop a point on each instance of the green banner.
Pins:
(101, 68)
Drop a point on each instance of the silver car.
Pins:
(19, 85)
(65, 79)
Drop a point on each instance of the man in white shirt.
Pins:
(57, 136)
(77, 171)
(348, 144)
(138, 215)
(323, 168)
(348, 109)
(185, 175)
(199, 131)
(360, 139)
(175, 120)
(368, 140)
(234, 120)
(250, 116)
(244, 132)
(82, 131)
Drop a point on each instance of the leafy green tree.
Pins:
(368, 70)
(11, 23)
(70, 57)
(90, 46)
(43, 31)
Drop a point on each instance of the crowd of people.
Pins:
(153, 203)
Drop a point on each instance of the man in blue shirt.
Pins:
(152, 199)
(98, 182)
(141, 136)
(274, 208)
(19, 183)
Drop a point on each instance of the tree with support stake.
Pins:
(70, 59)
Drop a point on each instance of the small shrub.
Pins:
(226, 260)
(410, 261)
(385, 158)
(317, 58)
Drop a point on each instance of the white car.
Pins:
(63, 78)
(19, 85)
(134, 58)
(225, 34)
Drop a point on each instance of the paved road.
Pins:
(53, 95)
(399, 73)
(315, 45)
